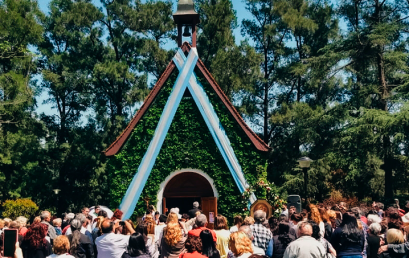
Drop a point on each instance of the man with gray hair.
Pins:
(305, 246)
(201, 223)
(45, 219)
(261, 234)
(192, 212)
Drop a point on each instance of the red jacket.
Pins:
(195, 254)
(196, 232)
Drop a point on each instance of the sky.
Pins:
(238, 6)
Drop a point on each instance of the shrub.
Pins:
(19, 207)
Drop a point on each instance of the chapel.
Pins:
(186, 143)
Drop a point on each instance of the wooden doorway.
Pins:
(184, 189)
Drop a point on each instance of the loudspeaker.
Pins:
(294, 200)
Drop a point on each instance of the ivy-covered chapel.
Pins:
(186, 143)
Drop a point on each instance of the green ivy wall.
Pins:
(188, 137)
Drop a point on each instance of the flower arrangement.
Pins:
(263, 189)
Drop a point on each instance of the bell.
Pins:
(185, 7)
(186, 33)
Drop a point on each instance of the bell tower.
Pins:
(186, 17)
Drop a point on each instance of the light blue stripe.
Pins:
(203, 94)
(139, 180)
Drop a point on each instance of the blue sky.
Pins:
(238, 5)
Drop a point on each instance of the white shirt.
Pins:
(234, 229)
(305, 247)
(111, 245)
(69, 231)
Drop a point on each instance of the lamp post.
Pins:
(56, 191)
(305, 163)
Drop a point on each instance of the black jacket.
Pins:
(192, 212)
(85, 249)
(279, 247)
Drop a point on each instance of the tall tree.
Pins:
(377, 55)
(19, 130)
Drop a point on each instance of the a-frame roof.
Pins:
(117, 145)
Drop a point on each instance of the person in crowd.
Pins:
(157, 216)
(109, 244)
(45, 219)
(94, 213)
(147, 229)
(85, 211)
(248, 221)
(332, 217)
(192, 212)
(201, 223)
(238, 221)
(378, 207)
(84, 222)
(373, 218)
(173, 242)
(117, 215)
(249, 233)
(305, 246)
(37, 219)
(61, 248)
(348, 240)
(159, 228)
(136, 247)
(97, 231)
(316, 233)
(394, 237)
(315, 216)
(80, 244)
(294, 220)
(222, 234)
(240, 245)
(35, 244)
(291, 211)
(262, 235)
(57, 225)
(23, 223)
(327, 223)
(285, 210)
(208, 245)
(193, 247)
(16, 225)
(282, 240)
(373, 239)
(66, 222)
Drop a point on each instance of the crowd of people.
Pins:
(317, 231)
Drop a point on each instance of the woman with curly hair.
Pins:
(35, 244)
(80, 244)
(240, 245)
(173, 241)
(315, 216)
(193, 247)
(61, 247)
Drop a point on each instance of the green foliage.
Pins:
(19, 207)
(188, 137)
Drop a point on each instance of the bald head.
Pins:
(305, 229)
(107, 226)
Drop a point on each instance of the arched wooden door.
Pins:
(184, 189)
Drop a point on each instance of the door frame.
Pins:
(159, 204)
